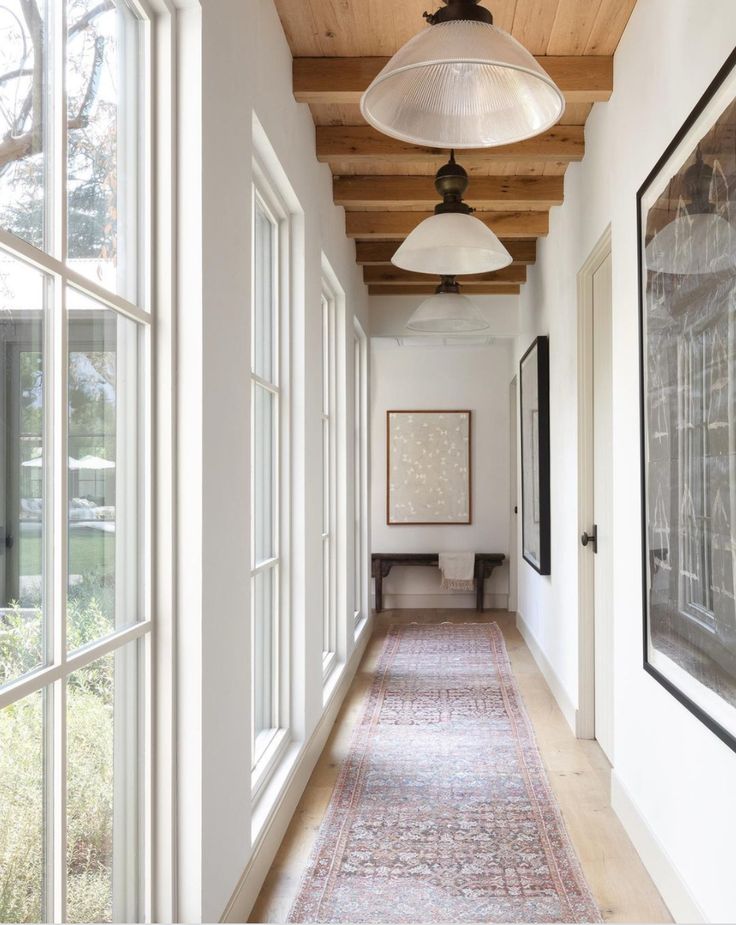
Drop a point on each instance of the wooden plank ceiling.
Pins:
(386, 186)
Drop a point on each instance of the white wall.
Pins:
(474, 378)
(673, 780)
(235, 65)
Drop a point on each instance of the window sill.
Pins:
(329, 659)
(272, 789)
(331, 681)
(268, 763)
(360, 626)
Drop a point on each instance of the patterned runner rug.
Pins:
(442, 811)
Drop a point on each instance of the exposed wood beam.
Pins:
(393, 275)
(378, 253)
(563, 143)
(395, 226)
(582, 79)
(429, 290)
(491, 194)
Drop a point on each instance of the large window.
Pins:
(360, 473)
(75, 615)
(329, 479)
(269, 694)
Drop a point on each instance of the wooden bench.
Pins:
(383, 562)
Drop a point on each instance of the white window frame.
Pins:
(360, 475)
(50, 679)
(330, 480)
(335, 608)
(266, 753)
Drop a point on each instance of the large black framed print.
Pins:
(687, 302)
(535, 488)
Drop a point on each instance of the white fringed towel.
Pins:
(458, 569)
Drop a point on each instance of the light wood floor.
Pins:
(578, 771)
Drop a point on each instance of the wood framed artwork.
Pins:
(535, 487)
(429, 467)
(687, 315)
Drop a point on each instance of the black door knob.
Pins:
(591, 538)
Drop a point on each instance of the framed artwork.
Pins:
(428, 467)
(687, 313)
(535, 488)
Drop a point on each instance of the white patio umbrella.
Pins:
(93, 462)
(86, 462)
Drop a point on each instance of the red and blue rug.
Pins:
(442, 811)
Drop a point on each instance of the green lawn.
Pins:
(89, 550)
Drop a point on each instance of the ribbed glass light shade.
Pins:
(692, 245)
(447, 313)
(452, 244)
(462, 84)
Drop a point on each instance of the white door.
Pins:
(602, 504)
(513, 500)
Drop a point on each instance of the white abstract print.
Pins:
(428, 467)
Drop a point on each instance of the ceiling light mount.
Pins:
(451, 181)
(448, 284)
(452, 242)
(469, 10)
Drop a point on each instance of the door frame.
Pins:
(513, 599)
(585, 717)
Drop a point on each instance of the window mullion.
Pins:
(57, 434)
(59, 547)
(57, 154)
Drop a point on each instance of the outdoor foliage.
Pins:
(92, 155)
(90, 763)
(89, 793)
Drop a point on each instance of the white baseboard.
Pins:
(274, 828)
(449, 600)
(567, 707)
(666, 876)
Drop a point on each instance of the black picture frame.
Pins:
(535, 460)
(701, 118)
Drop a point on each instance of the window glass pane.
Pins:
(105, 525)
(326, 476)
(264, 305)
(22, 295)
(264, 460)
(326, 596)
(357, 479)
(23, 91)
(325, 356)
(264, 622)
(105, 128)
(22, 811)
(102, 789)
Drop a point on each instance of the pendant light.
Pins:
(462, 83)
(452, 242)
(447, 312)
(698, 241)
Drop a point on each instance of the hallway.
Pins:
(367, 461)
(577, 770)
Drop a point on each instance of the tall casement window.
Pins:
(269, 333)
(329, 478)
(360, 473)
(75, 612)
